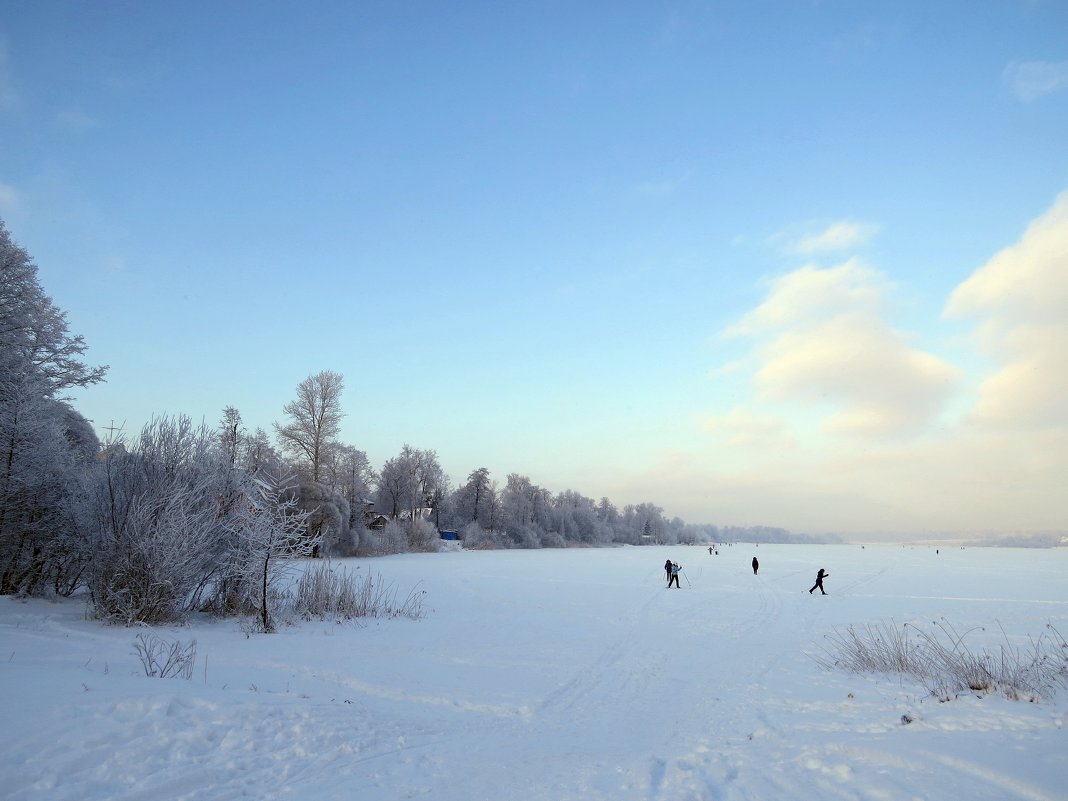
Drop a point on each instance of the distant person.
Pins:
(756, 565)
(674, 577)
(710, 551)
(667, 570)
(819, 581)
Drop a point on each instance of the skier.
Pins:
(819, 581)
(710, 551)
(756, 565)
(667, 570)
(674, 576)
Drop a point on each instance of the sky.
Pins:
(797, 264)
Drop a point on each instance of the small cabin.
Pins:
(450, 535)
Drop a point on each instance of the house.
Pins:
(371, 519)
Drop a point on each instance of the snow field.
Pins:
(555, 674)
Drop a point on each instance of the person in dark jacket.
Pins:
(819, 581)
(667, 570)
(756, 565)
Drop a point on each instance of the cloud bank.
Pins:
(840, 421)
(825, 341)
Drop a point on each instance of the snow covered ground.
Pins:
(556, 675)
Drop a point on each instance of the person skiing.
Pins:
(756, 565)
(674, 576)
(819, 581)
(667, 570)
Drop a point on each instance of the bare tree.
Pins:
(314, 420)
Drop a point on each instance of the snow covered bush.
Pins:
(946, 666)
(156, 533)
(422, 536)
(391, 538)
(328, 517)
(476, 537)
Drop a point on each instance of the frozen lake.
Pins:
(554, 674)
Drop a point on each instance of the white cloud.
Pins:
(825, 343)
(854, 363)
(835, 238)
(809, 294)
(1031, 80)
(9, 196)
(1020, 298)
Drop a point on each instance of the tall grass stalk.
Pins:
(946, 665)
(324, 592)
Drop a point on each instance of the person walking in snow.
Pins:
(667, 570)
(819, 581)
(756, 565)
(674, 576)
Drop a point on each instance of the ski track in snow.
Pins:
(590, 680)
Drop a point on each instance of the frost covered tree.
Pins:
(411, 481)
(232, 435)
(266, 533)
(259, 455)
(327, 517)
(157, 532)
(34, 339)
(644, 522)
(348, 472)
(45, 447)
(476, 501)
(48, 450)
(314, 421)
(575, 517)
(525, 511)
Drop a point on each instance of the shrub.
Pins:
(391, 539)
(162, 659)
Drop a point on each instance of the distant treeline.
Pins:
(1025, 540)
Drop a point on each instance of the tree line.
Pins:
(186, 516)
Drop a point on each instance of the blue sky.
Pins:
(800, 264)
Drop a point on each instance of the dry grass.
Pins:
(946, 665)
(326, 593)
